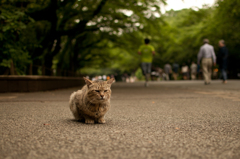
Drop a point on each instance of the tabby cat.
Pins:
(91, 103)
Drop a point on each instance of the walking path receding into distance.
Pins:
(175, 119)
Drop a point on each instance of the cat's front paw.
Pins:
(89, 121)
(101, 121)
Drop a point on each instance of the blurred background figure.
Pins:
(112, 76)
(133, 79)
(146, 51)
(208, 57)
(222, 60)
(185, 71)
(155, 74)
(160, 72)
(175, 68)
(199, 72)
(104, 77)
(193, 70)
(124, 77)
(167, 70)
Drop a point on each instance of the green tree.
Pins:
(14, 50)
(75, 26)
(227, 27)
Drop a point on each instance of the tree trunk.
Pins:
(12, 70)
(30, 69)
(43, 70)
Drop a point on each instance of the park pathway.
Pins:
(175, 119)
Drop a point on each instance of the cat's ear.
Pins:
(110, 81)
(87, 81)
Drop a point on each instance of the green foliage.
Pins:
(13, 48)
(139, 74)
(108, 39)
(185, 30)
(102, 36)
(181, 35)
(6, 63)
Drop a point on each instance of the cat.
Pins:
(92, 102)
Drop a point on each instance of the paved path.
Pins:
(181, 119)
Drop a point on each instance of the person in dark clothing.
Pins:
(223, 56)
(175, 68)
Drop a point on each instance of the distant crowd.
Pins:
(206, 57)
(176, 72)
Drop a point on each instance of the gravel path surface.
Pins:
(182, 119)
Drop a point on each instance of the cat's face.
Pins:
(99, 91)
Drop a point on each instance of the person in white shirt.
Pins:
(185, 71)
(208, 57)
(193, 70)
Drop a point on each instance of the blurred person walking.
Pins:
(185, 71)
(208, 57)
(167, 70)
(175, 68)
(223, 56)
(160, 72)
(146, 51)
(193, 68)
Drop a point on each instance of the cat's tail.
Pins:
(73, 106)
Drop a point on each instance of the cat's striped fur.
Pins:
(92, 102)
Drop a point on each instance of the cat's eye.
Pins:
(97, 90)
(105, 90)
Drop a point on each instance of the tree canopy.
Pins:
(69, 37)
